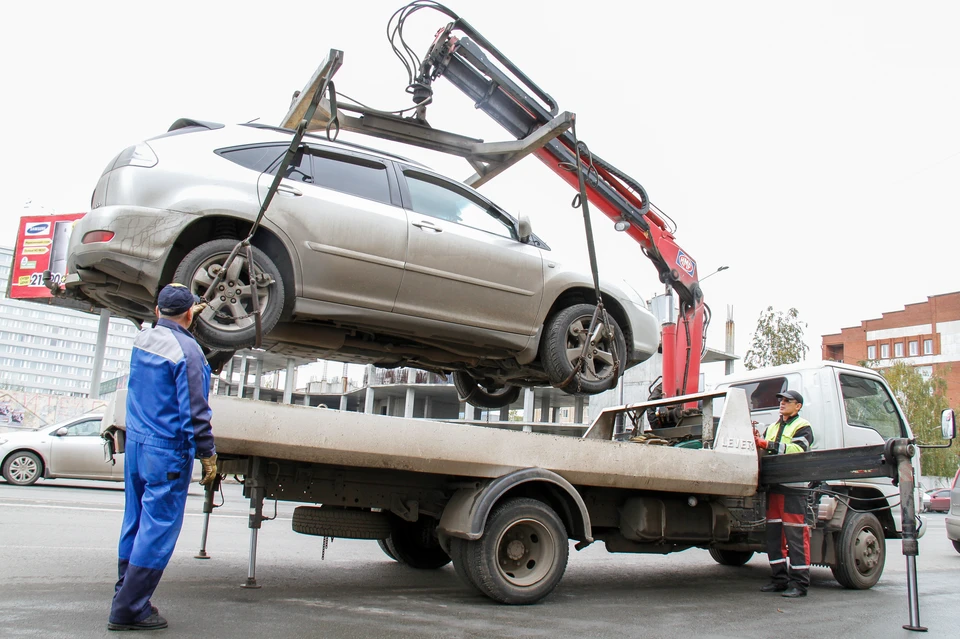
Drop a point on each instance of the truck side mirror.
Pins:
(948, 425)
(524, 229)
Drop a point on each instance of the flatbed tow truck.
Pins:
(502, 505)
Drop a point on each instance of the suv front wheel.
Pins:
(228, 322)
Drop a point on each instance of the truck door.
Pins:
(465, 264)
(870, 412)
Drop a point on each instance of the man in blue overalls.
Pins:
(167, 424)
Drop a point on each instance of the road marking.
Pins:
(120, 510)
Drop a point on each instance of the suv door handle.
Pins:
(289, 190)
(427, 226)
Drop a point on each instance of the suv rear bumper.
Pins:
(123, 274)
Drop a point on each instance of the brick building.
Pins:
(925, 335)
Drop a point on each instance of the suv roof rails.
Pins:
(394, 156)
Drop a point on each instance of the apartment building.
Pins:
(48, 349)
(925, 335)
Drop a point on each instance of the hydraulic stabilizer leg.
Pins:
(208, 507)
(903, 451)
(254, 488)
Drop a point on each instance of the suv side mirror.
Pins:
(524, 229)
(948, 425)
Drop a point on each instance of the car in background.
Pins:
(71, 449)
(362, 257)
(936, 500)
(952, 520)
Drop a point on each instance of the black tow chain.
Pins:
(257, 278)
(600, 313)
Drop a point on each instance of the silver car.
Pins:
(363, 257)
(71, 449)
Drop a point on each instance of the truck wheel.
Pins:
(226, 323)
(522, 554)
(564, 336)
(331, 521)
(861, 551)
(470, 390)
(387, 548)
(463, 568)
(415, 544)
(22, 468)
(730, 557)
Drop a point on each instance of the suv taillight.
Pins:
(97, 236)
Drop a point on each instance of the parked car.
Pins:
(71, 449)
(952, 520)
(362, 257)
(937, 500)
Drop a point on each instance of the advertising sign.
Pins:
(41, 245)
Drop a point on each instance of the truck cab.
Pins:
(848, 406)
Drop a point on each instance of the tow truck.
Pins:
(502, 505)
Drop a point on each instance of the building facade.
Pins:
(925, 335)
(48, 349)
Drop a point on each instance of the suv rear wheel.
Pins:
(228, 322)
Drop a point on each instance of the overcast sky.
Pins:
(814, 148)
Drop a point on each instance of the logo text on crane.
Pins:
(686, 263)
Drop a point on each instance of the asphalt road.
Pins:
(58, 565)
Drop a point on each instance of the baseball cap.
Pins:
(175, 299)
(791, 394)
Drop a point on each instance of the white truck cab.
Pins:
(848, 406)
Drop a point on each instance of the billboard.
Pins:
(41, 245)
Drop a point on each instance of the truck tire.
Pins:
(731, 557)
(387, 548)
(415, 544)
(330, 521)
(522, 554)
(861, 552)
(23, 468)
(470, 390)
(217, 327)
(563, 337)
(458, 553)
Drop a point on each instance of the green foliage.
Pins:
(777, 340)
(922, 400)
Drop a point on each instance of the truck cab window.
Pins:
(867, 404)
(762, 394)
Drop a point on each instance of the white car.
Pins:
(70, 449)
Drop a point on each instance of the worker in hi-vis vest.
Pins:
(788, 528)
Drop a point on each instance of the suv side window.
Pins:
(266, 158)
(434, 197)
(762, 394)
(867, 404)
(353, 175)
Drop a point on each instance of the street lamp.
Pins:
(722, 268)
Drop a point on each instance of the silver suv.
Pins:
(362, 257)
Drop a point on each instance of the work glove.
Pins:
(197, 309)
(209, 469)
(760, 442)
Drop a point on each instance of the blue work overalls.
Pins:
(167, 424)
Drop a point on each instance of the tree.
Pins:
(777, 340)
(922, 399)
